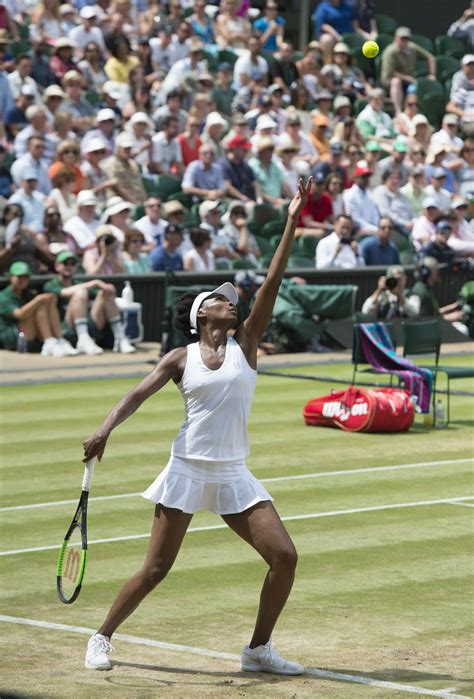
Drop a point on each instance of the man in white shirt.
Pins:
(447, 137)
(193, 64)
(83, 226)
(31, 201)
(33, 160)
(38, 119)
(166, 155)
(21, 76)
(424, 227)
(152, 226)
(436, 191)
(180, 42)
(106, 121)
(162, 51)
(339, 249)
(358, 202)
(87, 31)
(249, 63)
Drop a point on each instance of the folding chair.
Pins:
(358, 356)
(424, 337)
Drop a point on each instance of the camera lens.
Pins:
(391, 282)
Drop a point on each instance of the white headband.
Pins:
(227, 289)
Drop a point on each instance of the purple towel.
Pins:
(378, 350)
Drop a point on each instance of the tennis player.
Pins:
(216, 376)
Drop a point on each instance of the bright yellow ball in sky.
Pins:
(370, 49)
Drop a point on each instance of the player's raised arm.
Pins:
(170, 367)
(262, 309)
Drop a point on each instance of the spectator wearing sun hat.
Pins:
(88, 31)
(237, 171)
(447, 137)
(436, 188)
(140, 127)
(105, 257)
(81, 111)
(105, 123)
(31, 201)
(117, 216)
(424, 227)
(37, 117)
(395, 161)
(121, 168)
(83, 225)
(92, 167)
(61, 59)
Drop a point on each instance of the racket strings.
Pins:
(71, 568)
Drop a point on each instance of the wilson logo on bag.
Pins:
(362, 410)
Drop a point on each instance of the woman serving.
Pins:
(216, 376)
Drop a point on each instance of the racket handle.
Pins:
(88, 474)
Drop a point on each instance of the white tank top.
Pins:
(217, 406)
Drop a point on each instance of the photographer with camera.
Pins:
(390, 299)
(106, 257)
(339, 248)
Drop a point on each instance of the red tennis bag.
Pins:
(362, 410)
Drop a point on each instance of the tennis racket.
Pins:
(73, 556)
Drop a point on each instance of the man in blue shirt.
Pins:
(166, 258)
(204, 178)
(332, 19)
(237, 171)
(378, 250)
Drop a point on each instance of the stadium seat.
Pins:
(307, 245)
(433, 87)
(185, 199)
(354, 41)
(301, 262)
(264, 260)
(243, 264)
(424, 337)
(433, 106)
(226, 56)
(139, 212)
(407, 257)
(446, 66)
(384, 40)
(423, 41)
(421, 69)
(386, 24)
(266, 248)
(19, 47)
(261, 215)
(167, 184)
(275, 240)
(448, 46)
(151, 185)
(211, 60)
(93, 97)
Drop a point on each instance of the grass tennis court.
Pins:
(382, 592)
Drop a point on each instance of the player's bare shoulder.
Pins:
(173, 363)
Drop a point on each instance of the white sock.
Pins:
(81, 327)
(117, 328)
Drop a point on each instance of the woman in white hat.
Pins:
(106, 257)
(214, 129)
(216, 375)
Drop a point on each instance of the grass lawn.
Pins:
(382, 593)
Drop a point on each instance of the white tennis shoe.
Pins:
(69, 350)
(124, 346)
(266, 659)
(86, 345)
(97, 654)
(52, 348)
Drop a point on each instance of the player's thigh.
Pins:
(167, 534)
(261, 527)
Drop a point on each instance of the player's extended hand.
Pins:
(95, 446)
(300, 198)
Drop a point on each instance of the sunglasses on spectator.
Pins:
(70, 263)
(71, 151)
(153, 206)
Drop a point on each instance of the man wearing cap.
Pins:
(447, 137)
(14, 118)
(316, 215)
(333, 166)
(210, 215)
(166, 257)
(36, 315)
(31, 201)
(204, 178)
(462, 236)
(339, 248)
(250, 61)
(439, 248)
(237, 171)
(81, 325)
(307, 150)
(21, 77)
(191, 66)
(414, 190)
(87, 31)
(83, 226)
(34, 161)
(166, 155)
(390, 299)
(395, 161)
(372, 122)
(105, 121)
(122, 169)
(358, 202)
(398, 67)
(392, 203)
(53, 98)
(378, 250)
(424, 227)
(437, 190)
(270, 178)
(81, 111)
(152, 225)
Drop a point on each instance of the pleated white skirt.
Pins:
(191, 485)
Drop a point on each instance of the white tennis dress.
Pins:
(207, 469)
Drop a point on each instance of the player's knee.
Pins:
(286, 559)
(154, 574)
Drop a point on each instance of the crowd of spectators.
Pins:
(150, 136)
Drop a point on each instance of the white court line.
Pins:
(290, 518)
(461, 504)
(192, 650)
(322, 474)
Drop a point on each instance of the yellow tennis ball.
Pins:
(370, 49)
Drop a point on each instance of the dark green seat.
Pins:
(426, 86)
(384, 40)
(150, 185)
(446, 66)
(275, 240)
(266, 248)
(354, 41)
(264, 260)
(226, 56)
(185, 199)
(243, 264)
(433, 106)
(407, 257)
(262, 215)
(93, 97)
(307, 245)
(386, 24)
(449, 46)
(423, 41)
(139, 212)
(424, 337)
(167, 184)
(301, 262)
